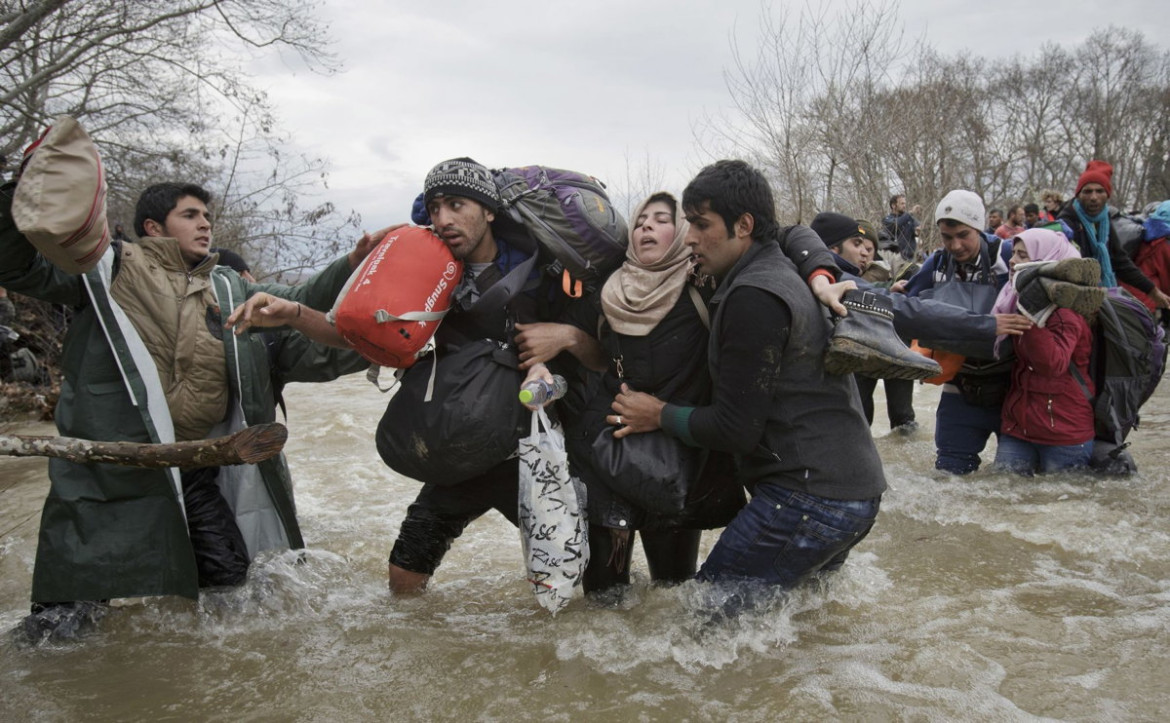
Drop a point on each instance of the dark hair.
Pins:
(1032, 208)
(996, 210)
(952, 223)
(895, 197)
(1012, 209)
(230, 258)
(666, 198)
(731, 189)
(157, 202)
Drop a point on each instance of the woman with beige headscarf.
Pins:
(649, 319)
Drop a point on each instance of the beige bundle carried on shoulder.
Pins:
(60, 200)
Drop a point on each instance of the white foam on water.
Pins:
(985, 597)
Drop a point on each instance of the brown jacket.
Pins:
(175, 312)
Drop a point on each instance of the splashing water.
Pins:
(986, 597)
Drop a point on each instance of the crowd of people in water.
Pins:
(702, 352)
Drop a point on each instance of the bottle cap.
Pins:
(526, 396)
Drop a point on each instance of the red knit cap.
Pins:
(1097, 172)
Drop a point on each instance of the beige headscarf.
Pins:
(637, 296)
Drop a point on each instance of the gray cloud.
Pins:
(583, 86)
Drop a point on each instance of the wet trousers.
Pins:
(899, 399)
(672, 556)
(438, 515)
(1027, 458)
(221, 556)
(782, 537)
(961, 431)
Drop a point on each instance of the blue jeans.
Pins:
(782, 537)
(961, 432)
(1027, 458)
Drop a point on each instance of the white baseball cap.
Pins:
(962, 207)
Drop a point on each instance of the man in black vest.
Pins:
(801, 440)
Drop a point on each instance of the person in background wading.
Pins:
(1153, 257)
(1091, 219)
(1053, 201)
(994, 220)
(1014, 224)
(903, 227)
(854, 246)
(1032, 215)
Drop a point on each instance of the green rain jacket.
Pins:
(110, 531)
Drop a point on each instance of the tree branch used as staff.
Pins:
(247, 446)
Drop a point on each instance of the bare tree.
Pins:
(642, 177)
(827, 107)
(160, 88)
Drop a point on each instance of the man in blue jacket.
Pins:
(902, 226)
(970, 269)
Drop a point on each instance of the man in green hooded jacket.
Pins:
(146, 359)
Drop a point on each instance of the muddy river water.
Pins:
(985, 598)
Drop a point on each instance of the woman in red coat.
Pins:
(1047, 422)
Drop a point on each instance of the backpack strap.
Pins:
(506, 288)
(1114, 422)
(697, 298)
(1076, 374)
(572, 288)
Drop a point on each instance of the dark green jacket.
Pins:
(110, 531)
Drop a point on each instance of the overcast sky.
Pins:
(593, 86)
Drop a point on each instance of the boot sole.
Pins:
(845, 356)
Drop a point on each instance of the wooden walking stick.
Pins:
(247, 446)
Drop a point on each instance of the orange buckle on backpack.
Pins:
(572, 288)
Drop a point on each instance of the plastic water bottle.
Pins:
(538, 392)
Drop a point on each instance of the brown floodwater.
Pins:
(983, 598)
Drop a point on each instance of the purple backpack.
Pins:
(569, 215)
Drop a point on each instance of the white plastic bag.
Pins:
(554, 532)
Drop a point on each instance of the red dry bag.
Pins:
(391, 306)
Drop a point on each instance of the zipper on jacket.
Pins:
(1051, 417)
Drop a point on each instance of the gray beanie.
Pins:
(462, 177)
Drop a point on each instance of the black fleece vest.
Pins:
(816, 439)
